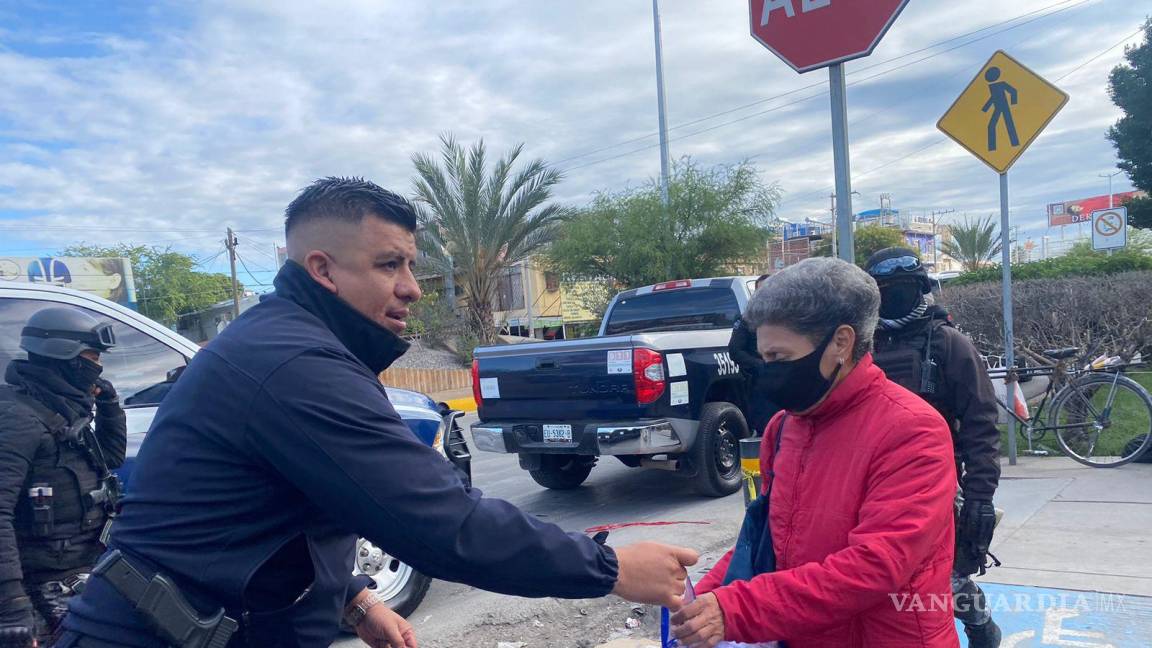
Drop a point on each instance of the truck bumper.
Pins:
(644, 437)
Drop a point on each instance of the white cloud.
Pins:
(218, 116)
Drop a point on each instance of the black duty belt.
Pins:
(166, 609)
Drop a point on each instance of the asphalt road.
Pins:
(613, 494)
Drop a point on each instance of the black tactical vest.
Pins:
(912, 360)
(60, 516)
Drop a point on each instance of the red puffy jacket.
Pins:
(862, 523)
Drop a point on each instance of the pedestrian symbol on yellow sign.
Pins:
(1002, 111)
(1001, 107)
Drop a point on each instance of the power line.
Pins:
(822, 84)
(1085, 63)
(941, 140)
(210, 259)
(250, 275)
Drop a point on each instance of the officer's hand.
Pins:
(651, 572)
(104, 391)
(383, 628)
(700, 624)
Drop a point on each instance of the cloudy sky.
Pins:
(164, 122)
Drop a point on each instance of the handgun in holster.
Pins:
(107, 496)
(161, 603)
(40, 496)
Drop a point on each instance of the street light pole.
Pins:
(665, 163)
(1109, 176)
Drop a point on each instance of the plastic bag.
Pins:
(666, 640)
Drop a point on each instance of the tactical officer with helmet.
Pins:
(56, 492)
(918, 347)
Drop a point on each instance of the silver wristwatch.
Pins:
(354, 614)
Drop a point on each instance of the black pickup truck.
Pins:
(656, 388)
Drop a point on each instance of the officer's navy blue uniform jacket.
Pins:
(275, 449)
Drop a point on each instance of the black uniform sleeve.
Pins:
(974, 405)
(739, 344)
(111, 429)
(339, 440)
(20, 437)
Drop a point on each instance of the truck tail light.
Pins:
(476, 382)
(672, 285)
(648, 372)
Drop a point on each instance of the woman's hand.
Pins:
(700, 624)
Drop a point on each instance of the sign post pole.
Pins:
(1009, 345)
(845, 240)
(813, 34)
(1001, 111)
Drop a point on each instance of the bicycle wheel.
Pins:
(1098, 415)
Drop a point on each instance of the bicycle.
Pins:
(1099, 416)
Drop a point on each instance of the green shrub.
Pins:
(1079, 263)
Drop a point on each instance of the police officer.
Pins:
(56, 494)
(278, 446)
(917, 347)
(742, 350)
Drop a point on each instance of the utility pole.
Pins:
(935, 245)
(231, 244)
(526, 268)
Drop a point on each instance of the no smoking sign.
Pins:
(1109, 228)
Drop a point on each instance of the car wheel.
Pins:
(716, 454)
(562, 472)
(401, 587)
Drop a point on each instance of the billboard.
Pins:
(1080, 211)
(110, 278)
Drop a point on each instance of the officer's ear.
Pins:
(320, 267)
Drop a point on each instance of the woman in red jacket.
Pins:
(860, 508)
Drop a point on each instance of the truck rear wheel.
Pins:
(562, 472)
(717, 451)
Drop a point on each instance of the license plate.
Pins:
(558, 433)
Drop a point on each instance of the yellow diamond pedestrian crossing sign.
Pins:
(1001, 111)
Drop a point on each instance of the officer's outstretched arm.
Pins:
(340, 441)
(20, 435)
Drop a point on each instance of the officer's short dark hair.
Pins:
(348, 200)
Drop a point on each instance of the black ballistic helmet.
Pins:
(895, 263)
(62, 333)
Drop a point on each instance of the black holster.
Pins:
(159, 601)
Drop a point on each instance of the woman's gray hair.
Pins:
(816, 296)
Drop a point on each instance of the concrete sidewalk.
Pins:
(1071, 526)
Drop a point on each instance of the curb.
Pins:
(463, 404)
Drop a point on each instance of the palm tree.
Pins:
(478, 221)
(974, 244)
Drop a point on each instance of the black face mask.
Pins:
(797, 384)
(899, 299)
(82, 373)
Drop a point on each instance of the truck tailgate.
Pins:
(563, 380)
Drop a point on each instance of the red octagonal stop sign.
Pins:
(811, 34)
